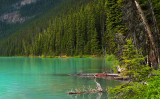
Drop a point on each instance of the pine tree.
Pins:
(95, 43)
(80, 34)
(114, 24)
(133, 62)
(59, 35)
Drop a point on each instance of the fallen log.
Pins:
(121, 78)
(87, 92)
(95, 74)
(110, 76)
(75, 93)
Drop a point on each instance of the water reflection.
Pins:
(90, 96)
(39, 78)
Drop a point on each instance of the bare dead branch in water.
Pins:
(89, 89)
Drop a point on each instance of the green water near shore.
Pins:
(47, 78)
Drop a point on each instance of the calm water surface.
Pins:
(39, 78)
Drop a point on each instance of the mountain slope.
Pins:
(17, 13)
(14, 32)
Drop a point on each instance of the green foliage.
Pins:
(114, 24)
(111, 58)
(133, 62)
(24, 34)
(112, 62)
(128, 91)
(72, 34)
(135, 90)
(95, 43)
(144, 83)
(82, 32)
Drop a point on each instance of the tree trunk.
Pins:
(154, 55)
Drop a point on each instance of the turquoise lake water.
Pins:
(47, 78)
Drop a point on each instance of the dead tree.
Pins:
(154, 54)
(98, 86)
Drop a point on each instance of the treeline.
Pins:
(100, 27)
(93, 27)
(81, 32)
(77, 33)
(21, 34)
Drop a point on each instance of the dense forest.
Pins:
(90, 27)
(12, 36)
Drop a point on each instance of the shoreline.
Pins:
(62, 56)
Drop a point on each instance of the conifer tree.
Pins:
(113, 23)
(133, 62)
(95, 43)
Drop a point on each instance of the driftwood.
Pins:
(98, 86)
(95, 74)
(85, 92)
(89, 90)
(75, 92)
(122, 78)
(108, 76)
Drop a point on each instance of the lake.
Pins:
(47, 78)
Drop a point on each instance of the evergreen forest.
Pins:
(88, 27)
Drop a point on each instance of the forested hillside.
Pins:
(87, 27)
(17, 14)
(13, 32)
